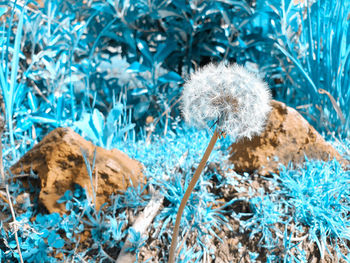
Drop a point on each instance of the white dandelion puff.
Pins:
(236, 99)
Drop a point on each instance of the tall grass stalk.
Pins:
(320, 51)
(8, 76)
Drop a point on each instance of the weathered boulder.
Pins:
(59, 163)
(287, 137)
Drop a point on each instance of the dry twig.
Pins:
(141, 224)
(14, 222)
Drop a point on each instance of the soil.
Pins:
(236, 242)
(230, 245)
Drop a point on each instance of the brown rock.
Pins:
(287, 137)
(59, 163)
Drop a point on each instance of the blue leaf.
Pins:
(3, 10)
(86, 127)
(23, 124)
(170, 77)
(42, 118)
(143, 47)
(12, 244)
(182, 5)
(32, 101)
(163, 13)
(14, 64)
(68, 195)
(136, 67)
(55, 241)
(140, 109)
(44, 233)
(164, 50)
(114, 114)
(127, 128)
(69, 206)
(97, 122)
(138, 91)
(59, 109)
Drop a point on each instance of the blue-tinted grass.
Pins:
(313, 201)
(104, 67)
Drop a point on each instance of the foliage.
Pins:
(66, 61)
(113, 71)
(315, 61)
(50, 237)
(312, 202)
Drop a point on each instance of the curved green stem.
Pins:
(188, 192)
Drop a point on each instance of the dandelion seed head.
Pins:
(236, 99)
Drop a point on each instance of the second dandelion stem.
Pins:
(188, 192)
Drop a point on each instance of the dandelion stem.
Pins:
(188, 192)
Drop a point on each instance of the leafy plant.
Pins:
(10, 88)
(316, 48)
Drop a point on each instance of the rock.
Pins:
(59, 163)
(286, 138)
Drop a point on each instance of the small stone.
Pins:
(286, 138)
(59, 163)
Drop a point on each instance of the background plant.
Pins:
(312, 49)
